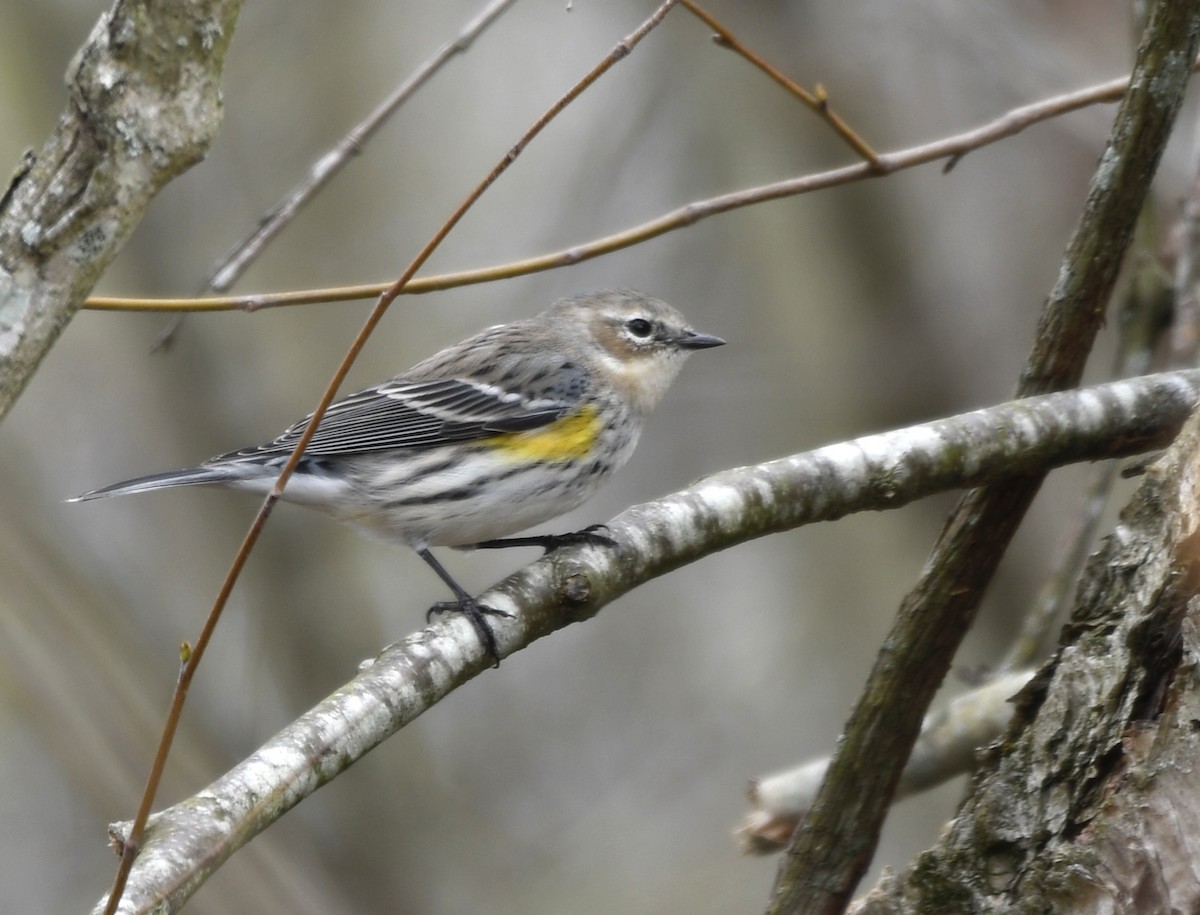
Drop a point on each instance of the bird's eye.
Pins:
(639, 327)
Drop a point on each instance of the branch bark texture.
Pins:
(1091, 803)
(144, 104)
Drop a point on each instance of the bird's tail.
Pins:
(192, 476)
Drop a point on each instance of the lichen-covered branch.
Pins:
(185, 843)
(144, 104)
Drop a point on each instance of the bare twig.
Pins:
(876, 472)
(953, 147)
(194, 657)
(946, 748)
(234, 263)
(818, 101)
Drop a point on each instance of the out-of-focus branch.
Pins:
(946, 748)
(234, 263)
(186, 843)
(1185, 331)
(144, 105)
(951, 148)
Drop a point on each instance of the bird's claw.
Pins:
(477, 614)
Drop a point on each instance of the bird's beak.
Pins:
(691, 340)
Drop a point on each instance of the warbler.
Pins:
(507, 429)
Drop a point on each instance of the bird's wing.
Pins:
(413, 414)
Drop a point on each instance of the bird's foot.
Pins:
(477, 614)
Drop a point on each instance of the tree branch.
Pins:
(144, 105)
(230, 267)
(949, 744)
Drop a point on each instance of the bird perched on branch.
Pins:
(509, 428)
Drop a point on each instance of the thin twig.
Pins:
(194, 658)
(952, 147)
(234, 263)
(818, 102)
(947, 747)
(231, 265)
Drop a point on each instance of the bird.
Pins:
(503, 431)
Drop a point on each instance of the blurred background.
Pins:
(603, 769)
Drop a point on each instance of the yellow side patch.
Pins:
(565, 439)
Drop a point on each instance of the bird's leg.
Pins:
(550, 542)
(465, 604)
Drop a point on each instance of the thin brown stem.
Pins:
(818, 101)
(179, 697)
(953, 147)
(234, 263)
